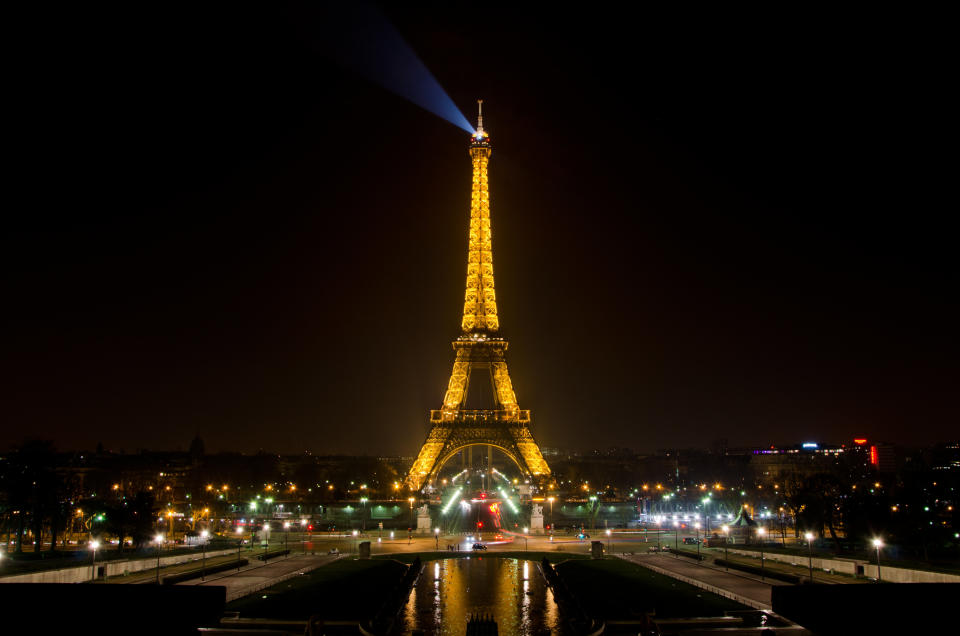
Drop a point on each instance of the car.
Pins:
(479, 546)
(498, 537)
(690, 541)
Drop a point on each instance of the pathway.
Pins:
(744, 588)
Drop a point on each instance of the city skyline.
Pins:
(692, 241)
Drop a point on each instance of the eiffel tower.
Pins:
(480, 355)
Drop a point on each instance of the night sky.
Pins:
(705, 226)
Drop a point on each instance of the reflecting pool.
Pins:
(512, 591)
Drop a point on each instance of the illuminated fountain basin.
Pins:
(510, 590)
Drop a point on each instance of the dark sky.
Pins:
(705, 226)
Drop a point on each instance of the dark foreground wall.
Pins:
(885, 608)
(65, 608)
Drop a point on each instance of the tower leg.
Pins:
(490, 459)
(470, 457)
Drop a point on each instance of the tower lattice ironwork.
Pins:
(480, 354)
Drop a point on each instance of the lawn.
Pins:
(612, 589)
(346, 589)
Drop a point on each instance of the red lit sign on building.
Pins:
(873, 456)
(860, 441)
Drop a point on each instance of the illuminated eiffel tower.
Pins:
(480, 355)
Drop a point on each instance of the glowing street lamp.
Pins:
(809, 537)
(286, 531)
(696, 527)
(436, 536)
(608, 539)
(551, 500)
(761, 531)
(93, 563)
(203, 546)
(726, 535)
(303, 543)
(878, 543)
(239, 543)
(159, 541)
(526, 533)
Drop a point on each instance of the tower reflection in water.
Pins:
(510, 590)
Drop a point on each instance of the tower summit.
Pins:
(480, 357)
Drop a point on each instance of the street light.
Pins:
(239, 543)
(355, 546)
(303, 543)
(436, 536)
(363, 512)
(608, 539)
(726, 535)
(93, 546)
(878, 543)
(526, 532)
(286, 531)
(657, 520)
(676, 539)
(696, 526)
(159, 541)
(551, 499)
(761, 531)
(265, 532)
(203, 546)
(809, 537)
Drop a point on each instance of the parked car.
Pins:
(691, 541)
(479, 546)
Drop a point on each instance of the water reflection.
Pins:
(511, 590)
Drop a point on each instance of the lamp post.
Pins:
(436, 537)
(696, 527)
(706, 517)
(93, 564)
(877, 543)
(239, 543)
(726, 535)
(355, 547)
(676, 539)
(411, 500)
(303, 544)
(265, 532)
(363, 513)
(286, 531)
(550, 500)
(657, 519)
(608, 539)
(203, 546)
(526, 532)
(159, 540)
(809, 537)
(761, 531)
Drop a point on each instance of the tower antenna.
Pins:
(480, 115)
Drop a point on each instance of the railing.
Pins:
(480, 416)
